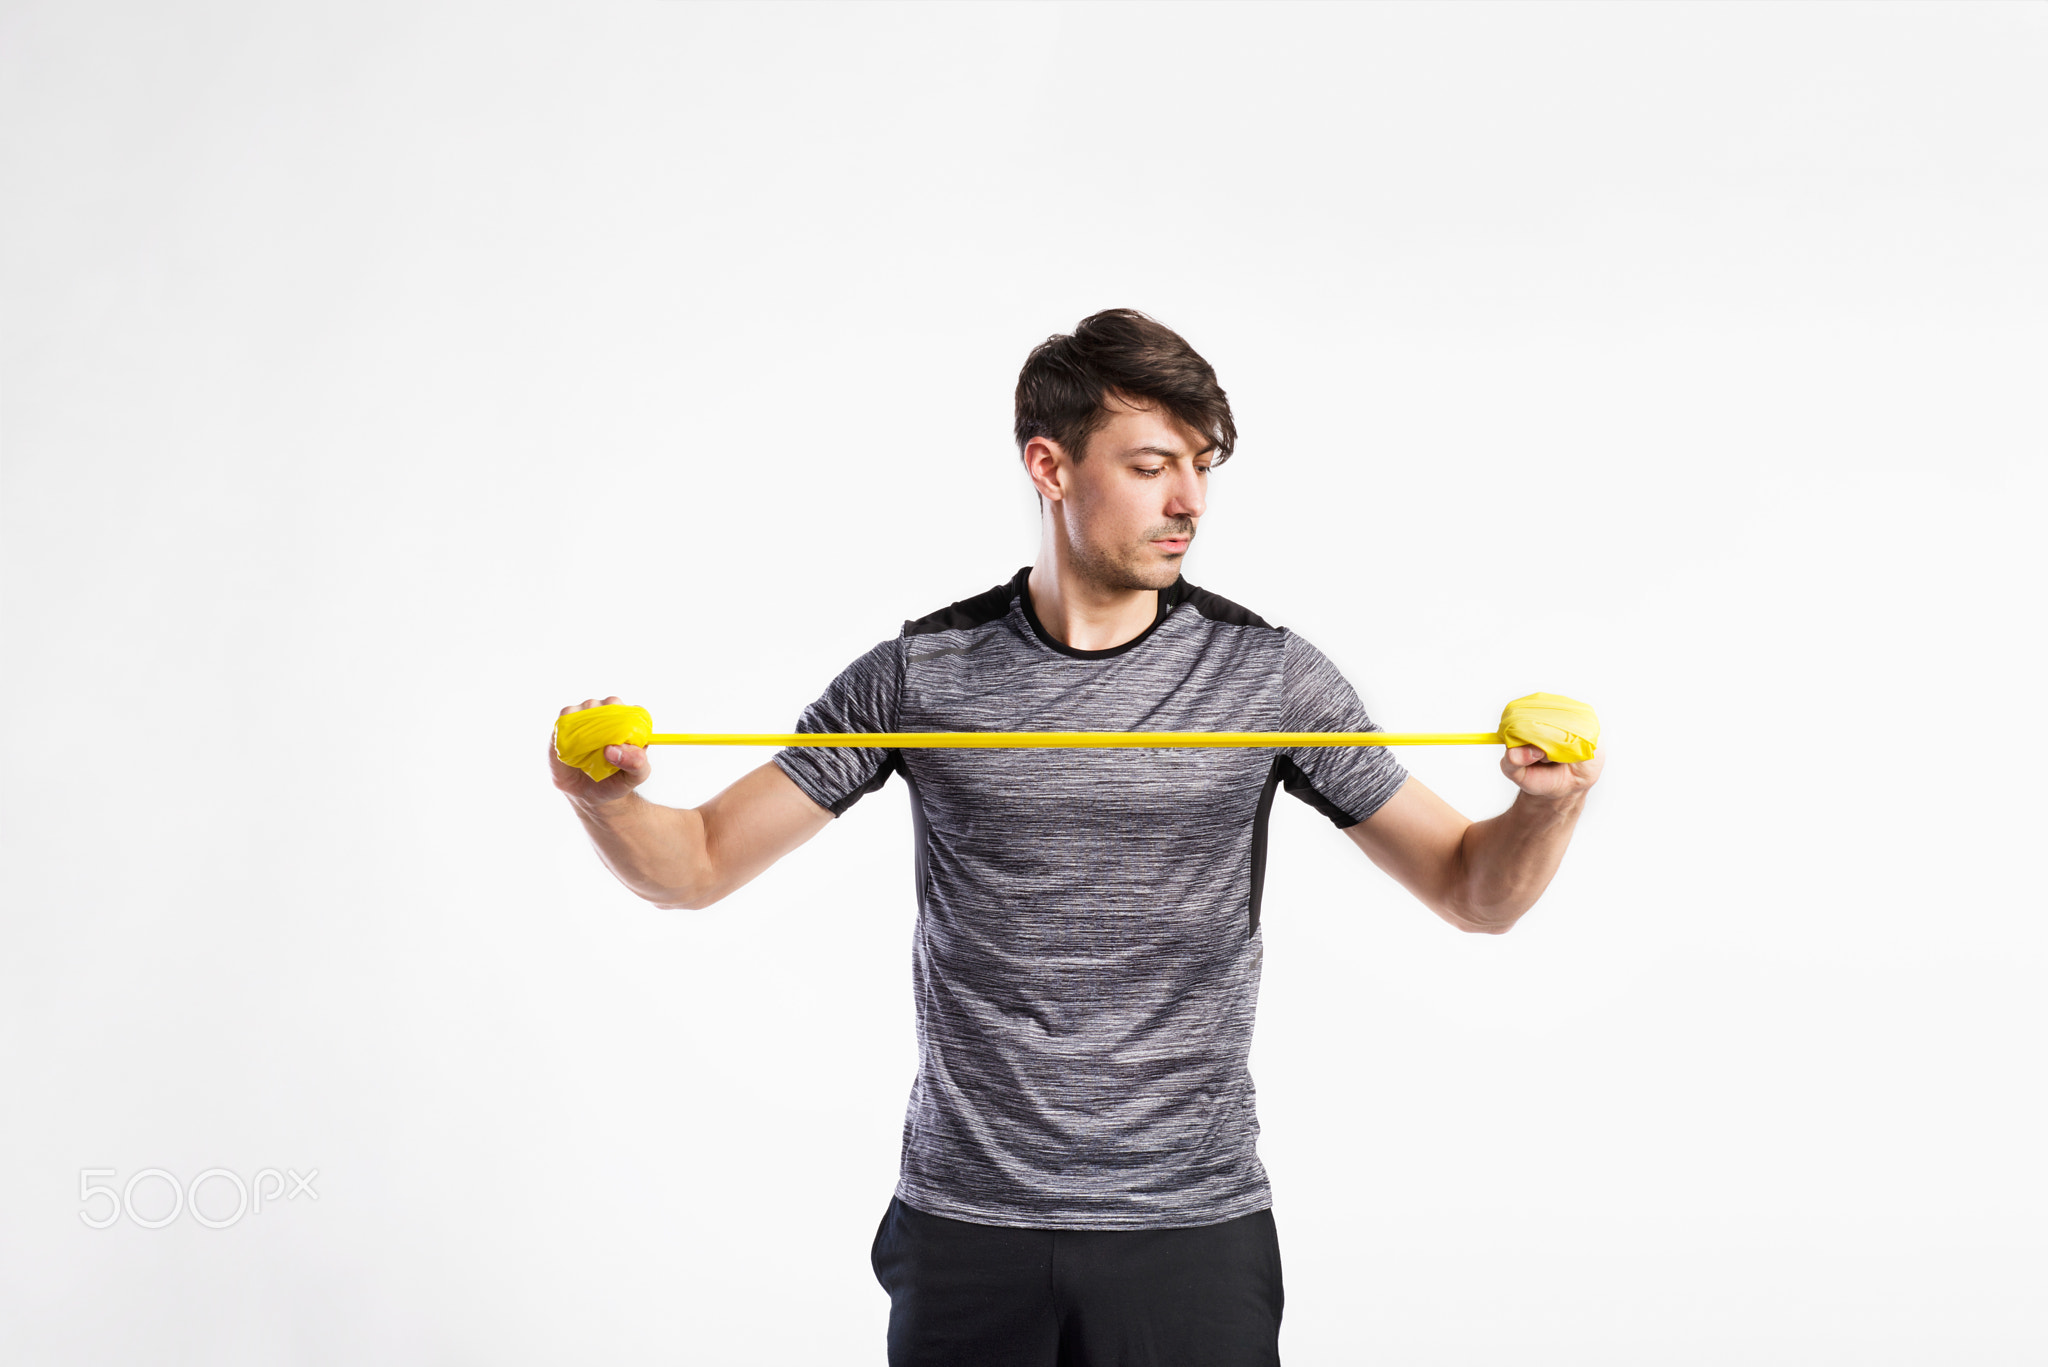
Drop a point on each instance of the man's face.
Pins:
(1128, 511)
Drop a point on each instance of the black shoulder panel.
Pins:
(979, 610)
(1217, 608)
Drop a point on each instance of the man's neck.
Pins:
(1082, 614)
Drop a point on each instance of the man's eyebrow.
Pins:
(1167, 452)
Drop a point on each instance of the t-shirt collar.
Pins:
(1169, 598)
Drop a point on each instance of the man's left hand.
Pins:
(1539, 777)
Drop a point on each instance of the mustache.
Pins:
(1183, 527)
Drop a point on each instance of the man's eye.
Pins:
(1147, 471)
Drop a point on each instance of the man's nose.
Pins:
(1186, 497)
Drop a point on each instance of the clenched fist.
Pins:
(587, 763)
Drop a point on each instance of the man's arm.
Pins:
(1481, 875)
(686, 858)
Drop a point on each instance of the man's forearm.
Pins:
(1508, 860)
(656, 851)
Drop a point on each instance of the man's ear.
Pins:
(1045, 465)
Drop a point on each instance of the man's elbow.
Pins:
(684, 899)
(1481, 921)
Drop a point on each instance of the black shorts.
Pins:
(994, 1296)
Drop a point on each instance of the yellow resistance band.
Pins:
(1563, 728)
(1082, 740)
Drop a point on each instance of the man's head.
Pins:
(1118, 425)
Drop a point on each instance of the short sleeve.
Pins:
(862, 698)
(1345, 783)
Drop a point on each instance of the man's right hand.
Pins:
(634, 766)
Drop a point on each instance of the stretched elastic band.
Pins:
(1564, 729)
(1081, 740)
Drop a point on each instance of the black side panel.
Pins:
(1298, 784)
(972, 612)
(921, 836)
(1265, 814)
(881, 777)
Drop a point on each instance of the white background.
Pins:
(378, 379)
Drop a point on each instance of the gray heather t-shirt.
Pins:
(1086, 960)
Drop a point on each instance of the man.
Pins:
(1080, 1182)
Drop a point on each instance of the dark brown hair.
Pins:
(1061, 389)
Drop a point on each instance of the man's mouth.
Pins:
(1173, 545)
